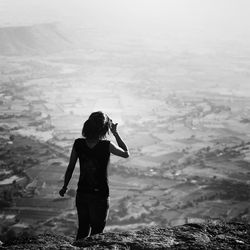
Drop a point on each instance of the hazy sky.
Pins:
(228, 19)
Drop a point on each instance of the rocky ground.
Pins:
(210, 235)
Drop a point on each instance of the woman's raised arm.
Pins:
(120, 150)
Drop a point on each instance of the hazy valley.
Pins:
(184, 114)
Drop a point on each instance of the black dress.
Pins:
(92, 199)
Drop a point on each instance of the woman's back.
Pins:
(93, 166)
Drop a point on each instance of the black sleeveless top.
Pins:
(93, 167)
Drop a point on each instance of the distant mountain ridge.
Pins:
(37, 39)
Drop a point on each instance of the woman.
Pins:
(93, 152)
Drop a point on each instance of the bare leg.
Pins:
(99, 208)
(83, 219)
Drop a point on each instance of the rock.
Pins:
(212, 235)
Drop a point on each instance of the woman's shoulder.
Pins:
(79, 141)
(105, 141)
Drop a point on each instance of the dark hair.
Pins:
(97, 126)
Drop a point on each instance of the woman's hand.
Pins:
(113, 128)
(63, 191)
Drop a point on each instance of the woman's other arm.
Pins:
(69, 171)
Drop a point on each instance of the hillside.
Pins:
(37, 39)
(212, 235)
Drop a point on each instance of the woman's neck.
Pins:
(91, 143)
(92, 140)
